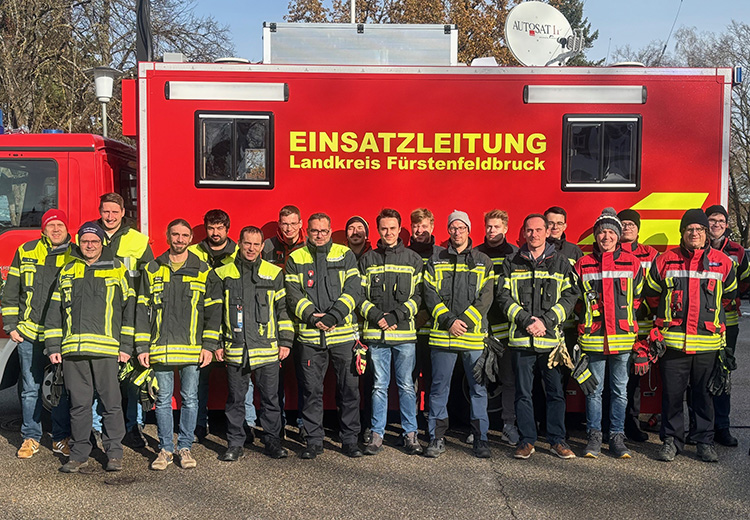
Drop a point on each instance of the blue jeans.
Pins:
(617, 365)
(404, 359)
(32, 360)
(443, 362)
(203, 384)
(188, 412)
(133, 410)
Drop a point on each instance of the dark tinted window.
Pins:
(28, 188)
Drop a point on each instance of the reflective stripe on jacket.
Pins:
(215, 259)
(29, 286)
(254, 318)
(323, 279)
(392, 283)
(459, 286)
(610, 286)
(645, 313)
(496, 318)
(92, 309)
(691, 286)
(544, 288)
(173, 311)
(737, 254)
(132, 248)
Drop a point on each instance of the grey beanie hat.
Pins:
(608, 220)
(459, 215)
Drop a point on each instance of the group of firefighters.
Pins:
(544, 312)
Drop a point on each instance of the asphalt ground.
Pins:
(390, 485)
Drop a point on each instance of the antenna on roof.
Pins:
(537, 34)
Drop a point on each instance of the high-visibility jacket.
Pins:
(424, 250)
(131, 247)
(737, 254)
(543, 287)
(92, 309)
(497, 319)
(276, 250)
(254, 318)
(29, 286)
(645, 312)
(459, 286)
(391, 280)
(610, 287)
(691, 286)
(213, 258)
(323, 279)
(173, 311)
(573, 253)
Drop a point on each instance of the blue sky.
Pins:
(633, 22)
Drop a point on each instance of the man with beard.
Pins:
(357, 236)
(171, 326)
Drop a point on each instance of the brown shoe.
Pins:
(186, 459)
(524, 451)
(62, 447)
(27, 449)
(563, 451)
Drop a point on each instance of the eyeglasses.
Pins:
(716, 221)
(321, 232)
(628, 225)
(289, 224)
(555, 224)
(696, 230)
(458, 229)
(90, 242)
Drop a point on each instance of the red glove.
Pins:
(640, 357)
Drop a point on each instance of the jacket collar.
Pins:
(398, 247)
(192, 262)
(422, 247)
(549, 251)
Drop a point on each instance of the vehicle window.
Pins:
(28, 188)
(601, 152)
(234, 150)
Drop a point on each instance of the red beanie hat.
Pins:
(54, 214)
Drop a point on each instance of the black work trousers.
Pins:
(83, 375)
(314, 367)
(678, 370)
(267, 383)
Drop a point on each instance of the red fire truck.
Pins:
(250, 138)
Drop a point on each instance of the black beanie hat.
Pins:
(717, 208)
(693, 216)
(631, 215)
(91, 227)
(357, 218)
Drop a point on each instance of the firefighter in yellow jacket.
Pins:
(89, 328)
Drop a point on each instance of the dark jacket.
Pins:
(737, 254)
(610, 286)
(31, 278)
(497, 319)
(690, 286)
(173, 311)
(567, 249)
(325, 280)
(459, 286)
(92, 309)
(544, 287)
(277, 251)
(213, 258)
(645, 313)
(392, 284)
(254, 319)
(423, 321)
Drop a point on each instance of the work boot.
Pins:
(524, 451)
(481, 449)
(201, 432)
(510, 435)
(411, 444)
(367, 436)
(724, 437)
(186, 459)
(617, 446)
(562, 450)
(114, 465)
(594, 445)
(375, 445)
(62, 447)
(134, 438)
(435, 448)
(668, 450)
(707, 452)
(312, 451)
(233, 453)
(352, 450)
(163, 459)
(274, 450)
(27, 449)
(73, 466)
(634, 432)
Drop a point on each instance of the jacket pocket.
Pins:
(262, 309)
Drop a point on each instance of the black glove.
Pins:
(391, 319)
(729, 360)
(487, 370)
(478, 370)
(656, 345)
(719, 382)
(586, 380)
(329, 320)
(57, 388)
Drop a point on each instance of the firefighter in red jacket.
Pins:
(631, 224)
(611, 281)
(719, 236)
(691, 280)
